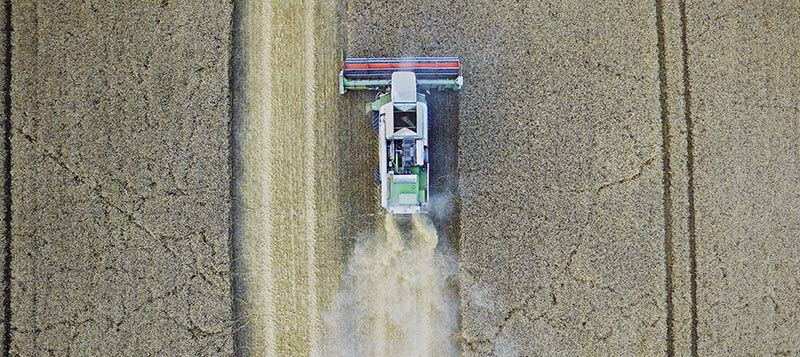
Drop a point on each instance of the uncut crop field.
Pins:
(614, 178)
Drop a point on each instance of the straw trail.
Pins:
(397, 295)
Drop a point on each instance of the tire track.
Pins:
(310, 178)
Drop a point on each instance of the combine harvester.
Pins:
(400, 116)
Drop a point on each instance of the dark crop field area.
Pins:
(614, 178)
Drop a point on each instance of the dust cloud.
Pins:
(397, 296)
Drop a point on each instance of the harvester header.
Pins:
(376, 73)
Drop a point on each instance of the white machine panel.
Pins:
(420, 152)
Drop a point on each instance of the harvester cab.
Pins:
(401, 117)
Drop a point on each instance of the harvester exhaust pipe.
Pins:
(376, 73)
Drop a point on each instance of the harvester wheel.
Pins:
(375, 121)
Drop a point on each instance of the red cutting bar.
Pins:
(401, 65)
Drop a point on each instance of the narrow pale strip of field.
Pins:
(290, 256)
